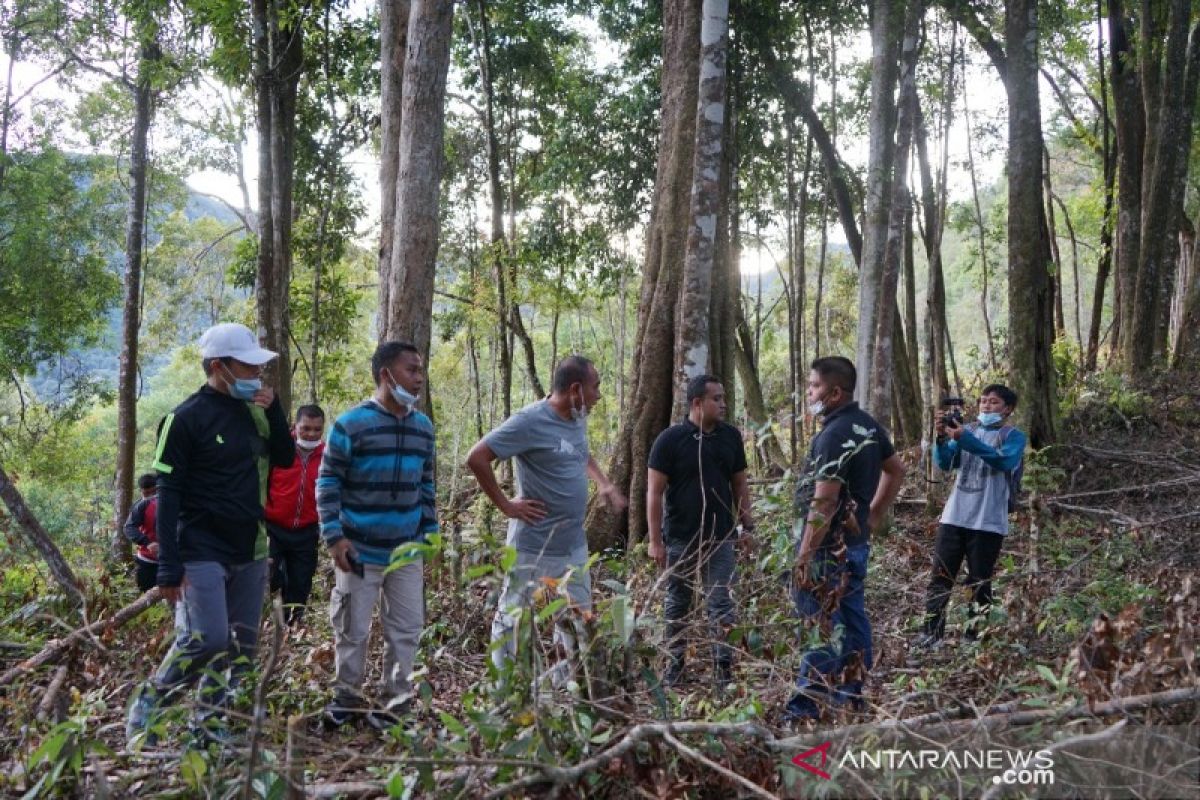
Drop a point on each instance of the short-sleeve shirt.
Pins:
(699, 469)
(851, 449)
(551, 457)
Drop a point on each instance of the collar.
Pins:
(837, 412)
(688, 421)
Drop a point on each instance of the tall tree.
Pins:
(1030, 295)
(648, 408)
(409, 311)
(393, 48)
(692, 344)
(143, 92)
(278, 41)
(886, 25)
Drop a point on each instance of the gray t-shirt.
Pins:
(551, 456)
(980, 497)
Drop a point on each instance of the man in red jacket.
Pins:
(292, 515)
(139, 529)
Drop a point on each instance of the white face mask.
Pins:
(307, 444)
(579, 412)
(406, 399)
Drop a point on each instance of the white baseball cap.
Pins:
(231, 340)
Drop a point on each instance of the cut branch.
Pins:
(40, 539)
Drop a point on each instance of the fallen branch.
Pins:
(728, 774)
(57, 647)
(50, 698)
(1012, 719)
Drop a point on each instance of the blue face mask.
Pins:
(403, 396)
(242, 388)
(990, 418)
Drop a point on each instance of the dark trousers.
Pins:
(147, 574)
(293, 563)
(954, 544)
(708, 565)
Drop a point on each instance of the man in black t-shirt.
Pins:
(851, 479)
(700, 466)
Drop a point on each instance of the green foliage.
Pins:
(57, 284)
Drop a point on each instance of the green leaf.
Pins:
(452, 724)
(1047, 674)
(478, 571)
(193, 768)
(551, 608)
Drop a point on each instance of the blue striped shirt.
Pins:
(376, 487)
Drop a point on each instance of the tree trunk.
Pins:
(935, 292)
(877, 391)
(37, 536)
(1105, 259)
(393, 48)
(648, 407)
(418, 188)
(981, 231)
(135, 230)
(1030, 304)
(279, 54)
(692, 344)
(766, 443)
(1060, 324)
(1130, 126)
(726, 290)
(873, 300)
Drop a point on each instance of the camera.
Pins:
(952, 412)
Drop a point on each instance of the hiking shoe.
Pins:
(388, 717)
(138, 731)
(338, 713)
(801, 708)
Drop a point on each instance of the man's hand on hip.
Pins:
(341, 550)
(525, 509)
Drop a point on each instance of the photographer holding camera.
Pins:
(988, 454)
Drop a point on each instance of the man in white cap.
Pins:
(214, 453)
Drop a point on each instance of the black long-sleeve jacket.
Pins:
(212, 461)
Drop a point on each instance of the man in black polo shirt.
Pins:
(700, 465)
(851, 478)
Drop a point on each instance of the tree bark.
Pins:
(39, 538)
(279, 54)
(418, 188)
(873, 300)
(935, 292)
(135, 230)
(881, 366)
(692, 344)
(1030, 300)
(393, 48)
(1130, 124)
(1109, 156)
(648, 406)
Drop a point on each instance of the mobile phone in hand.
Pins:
(356, 566)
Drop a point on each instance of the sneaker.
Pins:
(801, 708)
(338, 713)
(138, 731)
(388, 717)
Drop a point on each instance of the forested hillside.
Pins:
(985, 201)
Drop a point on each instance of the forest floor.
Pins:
(1097, 599)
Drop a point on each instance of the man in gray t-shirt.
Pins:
(548, 441)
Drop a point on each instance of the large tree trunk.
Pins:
(418, 189)
(1109, 155)
(1030, 300)
(872, 297)
(648, 407)
(692, 344)
(1162, 186)
(1130, 123)
(393, 49)
(876, 380)
(135, 229)
(726, 289)
(37, 536)
(279, 54)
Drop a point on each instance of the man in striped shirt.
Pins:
(374, 493)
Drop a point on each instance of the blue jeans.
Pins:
(850, 630)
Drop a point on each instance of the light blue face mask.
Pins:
(402, 395)
(990, 418)
(242, 388)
